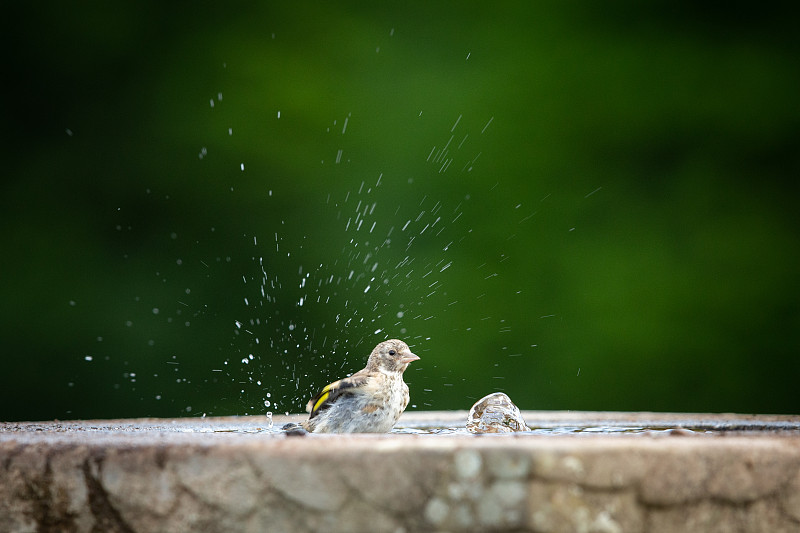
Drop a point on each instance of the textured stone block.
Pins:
(231, 474)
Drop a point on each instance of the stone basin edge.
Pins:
(223, 474)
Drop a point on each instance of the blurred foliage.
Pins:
(585, 205)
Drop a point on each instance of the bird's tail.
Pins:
(293, 429)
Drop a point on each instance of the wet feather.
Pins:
(369, 401)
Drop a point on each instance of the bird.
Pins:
(369, 401)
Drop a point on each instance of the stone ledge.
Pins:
(230, 474)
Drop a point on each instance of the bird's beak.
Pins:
(408, 357)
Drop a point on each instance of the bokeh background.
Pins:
(218, 208)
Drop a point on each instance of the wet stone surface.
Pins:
(604, 472)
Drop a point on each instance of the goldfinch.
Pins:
(369, 401)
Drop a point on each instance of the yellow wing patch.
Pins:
(321, 397)
(358, 383)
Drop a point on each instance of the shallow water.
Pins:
(691, 428)
(448, 425)
(565, 430)
(561, 430)
(588, 430)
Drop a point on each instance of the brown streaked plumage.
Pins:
(369, 401)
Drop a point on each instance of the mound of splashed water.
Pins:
(495, 413)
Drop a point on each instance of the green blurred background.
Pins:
(218, 208)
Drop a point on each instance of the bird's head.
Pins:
(392, 356)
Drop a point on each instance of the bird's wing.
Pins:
(328, 395)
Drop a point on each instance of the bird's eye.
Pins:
(392, 352)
